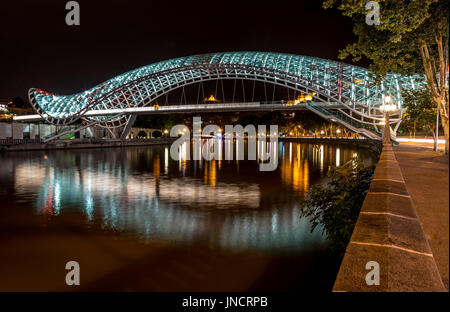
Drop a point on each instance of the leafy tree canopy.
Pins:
(335, 207)
(394, 45)
(420, 108)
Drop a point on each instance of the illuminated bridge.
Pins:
(341, 93)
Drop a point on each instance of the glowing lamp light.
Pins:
(388, 106)
(338, 131)
(211, 99)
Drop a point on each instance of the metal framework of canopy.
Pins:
(327, 81)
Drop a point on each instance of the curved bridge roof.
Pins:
(332, 81)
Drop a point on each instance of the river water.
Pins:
(134, 219)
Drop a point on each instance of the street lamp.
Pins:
(387, 107)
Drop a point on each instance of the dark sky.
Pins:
(39, 50)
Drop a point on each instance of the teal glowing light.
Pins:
(329, 81)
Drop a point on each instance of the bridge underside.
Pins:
(339, 92)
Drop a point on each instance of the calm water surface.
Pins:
(137, 220)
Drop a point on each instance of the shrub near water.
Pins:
(336, 206)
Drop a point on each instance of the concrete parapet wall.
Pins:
(11, 130)
(84, 143)
(389, 232)
(5, 130)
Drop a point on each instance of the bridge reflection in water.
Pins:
(138, 220)
(141, 192)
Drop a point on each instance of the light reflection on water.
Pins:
(143, 193)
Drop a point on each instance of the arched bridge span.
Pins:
(351, 87)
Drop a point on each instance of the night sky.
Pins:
(39, 50)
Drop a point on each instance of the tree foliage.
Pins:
(19, 102)
(394, 45)
(420, 109)
(142, 134)
(336, 206)
(157, 134)
(412, 37)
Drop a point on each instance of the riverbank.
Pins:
(389, 250)
(84, 143)
(31, 145)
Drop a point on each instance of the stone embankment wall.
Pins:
(84, 143)
(388, 231)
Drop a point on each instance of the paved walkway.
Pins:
(426, 174)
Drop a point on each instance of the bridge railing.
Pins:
(364, 128)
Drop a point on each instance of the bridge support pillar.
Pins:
(128, 127)
(112, 133)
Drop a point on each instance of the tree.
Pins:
(142, 134)
(157, 134)
(407, 125)
(336, 206)
(420, 109)
(18, 102)
(412, 37)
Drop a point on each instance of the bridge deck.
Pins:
(194, 108)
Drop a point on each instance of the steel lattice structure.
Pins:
(327, 81)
